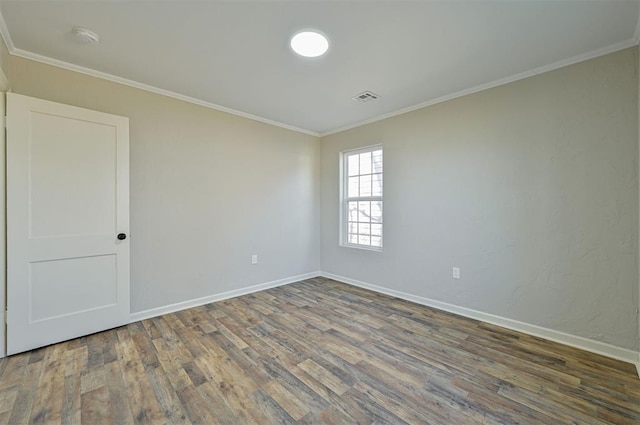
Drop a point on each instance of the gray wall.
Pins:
(531, 188)
(208, 189)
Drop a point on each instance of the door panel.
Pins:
(67, 199)
(89, 202)
(90, 279)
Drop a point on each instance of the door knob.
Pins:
(122, 236)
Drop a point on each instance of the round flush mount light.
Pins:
(85, 36)
(309, 44)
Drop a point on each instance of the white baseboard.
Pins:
(171, 308)
(586, 344)
(582, 343)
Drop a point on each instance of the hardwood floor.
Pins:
(312, 352)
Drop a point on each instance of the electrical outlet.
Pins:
(456, 272)
(254, 259)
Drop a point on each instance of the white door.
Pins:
(67, 207)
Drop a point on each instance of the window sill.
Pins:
(362, 247)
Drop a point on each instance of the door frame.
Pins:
(4, 86)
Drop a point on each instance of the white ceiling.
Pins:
(234, 55)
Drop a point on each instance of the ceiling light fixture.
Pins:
(309, 44)
(85, 36)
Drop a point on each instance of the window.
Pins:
(361, 218)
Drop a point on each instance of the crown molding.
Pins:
(551, 67)
(4, 32)
(131, 83)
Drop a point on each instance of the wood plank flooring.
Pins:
(315, 352)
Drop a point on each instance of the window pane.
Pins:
(365, 185)
(377, 161)
(377, 185)
(352, 165)
(365, 163)
(364, 211)
(363, 182)
(353, 187)
(353, 211)
(376, 211)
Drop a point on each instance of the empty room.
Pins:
(320, 212)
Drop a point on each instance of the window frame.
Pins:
(344, 198)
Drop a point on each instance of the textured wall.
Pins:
(531, 188)
(208, 189)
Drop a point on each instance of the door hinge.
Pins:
(6, 317)
(4, 122)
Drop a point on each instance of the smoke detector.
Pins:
(85, 36)
(366, 96)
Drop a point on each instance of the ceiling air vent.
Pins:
(366, 96)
